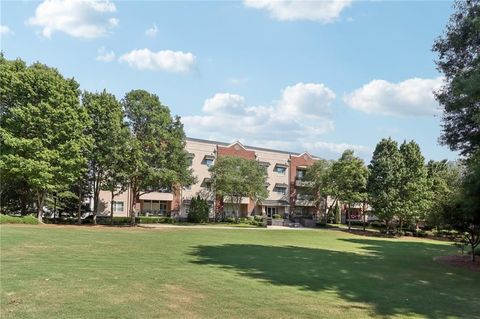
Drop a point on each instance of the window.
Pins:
(155, 206)
(301, 174)
(271, 211)
(117, 207)
(280, 190)
(209, 162)
(280, 169)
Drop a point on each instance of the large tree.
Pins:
(106, 115)
(444, 180)
(414, 188)
(384, 180)
(466, 217)
(459, 60)
(319, 184)
(43, 126)
(351, 180)
(156, 147)
(233, 178)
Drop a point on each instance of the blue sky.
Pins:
(302, 76)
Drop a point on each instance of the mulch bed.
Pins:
(464, 262)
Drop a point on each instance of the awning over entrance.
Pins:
(270, 202)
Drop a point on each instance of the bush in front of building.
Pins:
(199, 210)
(28, 219)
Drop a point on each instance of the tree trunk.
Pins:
(401, 224)
(363, 215)
(387, 223)
(473, 252)
(111, 208)
(40, 198)
(79, 217)
(348, 214)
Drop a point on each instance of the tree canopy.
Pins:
(157, 152)
(459, 60)
(43, 128)
(233, 178)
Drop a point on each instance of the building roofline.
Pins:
(194, 139)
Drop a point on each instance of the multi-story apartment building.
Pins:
(286, 188)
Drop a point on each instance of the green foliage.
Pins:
(320, 185)
(156, 153)
(459, 61)
(29, 219)
(444, 180)
(415, 192)
(107, 163)
(154, 220)
(350, 178)
(42, 128)
(234, 178)
(199, 210)
(384, 182)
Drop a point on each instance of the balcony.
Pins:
(304, 200)
(302, 183)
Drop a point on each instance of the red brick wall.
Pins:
(239, 152)
(295, 161)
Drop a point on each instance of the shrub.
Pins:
(321, 224)
(154, 220)
(421, 233)
(258, 218)
(376, 224)
(198, 211)
(277, 216)
(28, 219)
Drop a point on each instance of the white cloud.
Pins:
(5, 30)
(152, 32)
(104, 55)
(325, 11)
(300, 116)
(167, 60)
(412, 97)
(77, 18)
(225, 103)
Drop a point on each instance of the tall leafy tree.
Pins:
(467, 218)
(459, 60)
(156, 148)
(384, 180)
(233, 178)
(351, 180)
(444, 181)
(414, 188)
(106, 116)
(42, 129)
(319, 186)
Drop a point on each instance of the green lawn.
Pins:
(95, 272)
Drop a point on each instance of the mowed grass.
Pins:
(100, 272)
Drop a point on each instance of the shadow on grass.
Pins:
(392, 277)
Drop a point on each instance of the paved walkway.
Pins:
(158, 226)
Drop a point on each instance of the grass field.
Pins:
(98, 272)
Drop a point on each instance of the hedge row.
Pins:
(6, 219)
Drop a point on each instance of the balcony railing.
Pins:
(302, 183)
